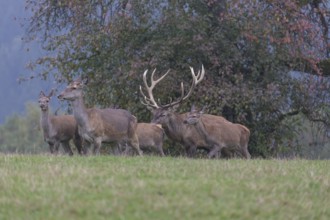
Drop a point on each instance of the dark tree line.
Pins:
(266, 61)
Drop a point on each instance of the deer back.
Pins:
(221, 130)
(113, 123)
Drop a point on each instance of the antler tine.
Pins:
(153, 81)
(150, 100)
(196, 79)
(146, 101)
(200, 75)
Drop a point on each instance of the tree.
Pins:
(254, 52)
(22, 134)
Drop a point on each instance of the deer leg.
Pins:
(56, 147)
(87, 147)
(78, 143)
(190, 150)
(246, 153)
(186, 150)
(97, 146)
(51, 148)
(127, 150)
(160, 149)
(215, 150)
(117, 149)
(226, 153)
(84, 147)
(67, 148)
(134, 142)
(120, 147)
(238, 153)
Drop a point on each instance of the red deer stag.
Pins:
(100, 125)
(192, 137)
(221, 135)
(58, 130)
(172, 122)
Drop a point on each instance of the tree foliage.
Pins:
(22, 134)
(262, 58)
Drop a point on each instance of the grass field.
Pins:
(108, 187)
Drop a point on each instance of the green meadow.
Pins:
(110, 187)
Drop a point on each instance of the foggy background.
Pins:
(14, 56)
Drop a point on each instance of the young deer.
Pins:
(151, 137)
(58, 130)
(100, 125)
(220, 135)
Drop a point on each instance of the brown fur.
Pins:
(58, 130)
(100, 125)
(220, 134)
(150, 136)
(178, 131)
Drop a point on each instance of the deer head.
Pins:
(73, 90)
(44, 100)
(194, 115)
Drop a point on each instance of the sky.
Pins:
(14, 56)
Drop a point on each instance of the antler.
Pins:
(150, 101)
(196, 79)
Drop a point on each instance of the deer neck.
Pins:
(175, 127)
(46, 123)
(201, 128)
(80, 112)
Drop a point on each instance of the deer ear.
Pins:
(77, 81)
(80, 82)
(85, 80)
(51, 93)
(41, 94)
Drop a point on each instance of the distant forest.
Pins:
(14, 56)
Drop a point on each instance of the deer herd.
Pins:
(89, 128)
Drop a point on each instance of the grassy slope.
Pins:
(45, 187)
